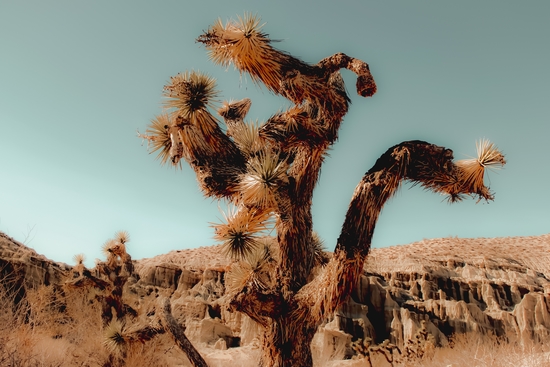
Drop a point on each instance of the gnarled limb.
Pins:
(430, 166)
(259, 305)
(365, 84)
(274, 171)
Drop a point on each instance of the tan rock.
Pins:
(499, 286)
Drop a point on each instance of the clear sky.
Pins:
(77, 78)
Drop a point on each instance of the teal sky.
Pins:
(77, 78)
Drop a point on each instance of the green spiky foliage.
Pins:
(268, 171)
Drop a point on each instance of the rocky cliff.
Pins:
(497, 286)
(22, 268)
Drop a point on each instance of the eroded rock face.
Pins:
(490, 286)
(493, 286)
(24, 266)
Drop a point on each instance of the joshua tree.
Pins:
(268, 172)
(122, 328)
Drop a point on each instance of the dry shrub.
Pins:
(159, 352)
(58, 327)
(47, 328)
(479, 350)
(472, 349)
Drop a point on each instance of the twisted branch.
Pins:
(426, 164)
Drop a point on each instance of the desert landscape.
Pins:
(478, 302)
(266, 290)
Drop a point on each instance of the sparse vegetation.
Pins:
(85, 321)
(59, 326)
(420, 348)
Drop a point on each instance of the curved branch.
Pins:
(426, 164)
(365, 84)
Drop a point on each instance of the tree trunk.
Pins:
(179, 336)
(287, 342)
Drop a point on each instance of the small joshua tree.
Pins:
(268, 172)
(122, 329)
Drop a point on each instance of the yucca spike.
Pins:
(254, 269)
(472, 171)
(237, 277)
(488, 155)
(114, 339)
(106, 248)
(233, 113)
(265, 172)
(190, 93)
(158, 135)
(247, 138)
(122, 236)
(318, 250)
(79, 259)
(241, 231)
(243, 44)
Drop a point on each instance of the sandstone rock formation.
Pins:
(497, 286)
(23, 268)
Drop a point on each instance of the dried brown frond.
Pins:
(265, 172)
(243, 44)
(79, 259)
(237, 277)
(247, 138)
(241, 231)
(472, 171)
(190, 94)
(122, 236)
(106, 249)
(159, 137)
(320, 257)
(253, 270)
(114, 338)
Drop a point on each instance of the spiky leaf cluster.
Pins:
(241, 231)
(159, 138)
(320, 257)
(265, 173)
(114, 338)
(243, 44)
(119, 261)
(255, 270)
(247, 138)
(472, 171)
(190, 93)
(116, 247)
(79, 259)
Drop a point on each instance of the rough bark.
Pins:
(287, 339)
(289, 308)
